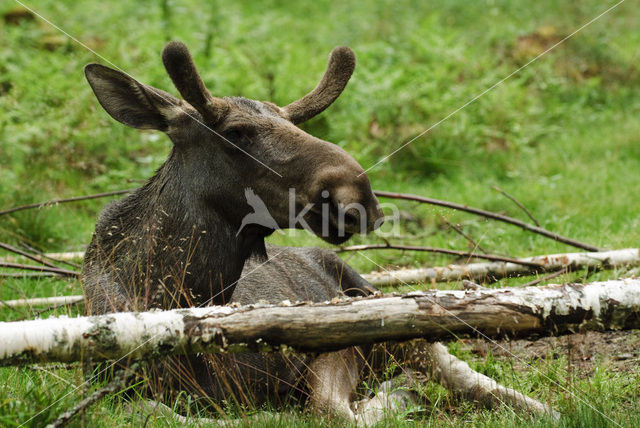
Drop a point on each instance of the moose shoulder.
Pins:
(179, 240)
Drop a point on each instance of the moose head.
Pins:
(183, 232)
(224, 146)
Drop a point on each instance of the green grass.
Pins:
(561, 136)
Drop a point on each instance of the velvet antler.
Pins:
(184, 74)
(342, 62)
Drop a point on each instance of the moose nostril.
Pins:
(351, 219)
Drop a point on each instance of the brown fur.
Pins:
(176, 241)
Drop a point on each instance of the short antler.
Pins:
(342, 62)
(184, 74)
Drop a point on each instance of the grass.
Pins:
(561, 136)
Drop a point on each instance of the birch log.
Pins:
(325, 326)
(497, 270)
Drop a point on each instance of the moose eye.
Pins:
(234, 134)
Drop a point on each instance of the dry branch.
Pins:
(29, 256)
(62, 201)
(58, 257)
(437, 250)
(57, 271)
(120, 382)
(518, 204)
(491, 215)
(498, 270)
(326, 326)
(39, 301)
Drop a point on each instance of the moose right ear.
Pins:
(129, 101)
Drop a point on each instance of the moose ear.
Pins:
(129, 101)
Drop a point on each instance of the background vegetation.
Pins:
(562, 136)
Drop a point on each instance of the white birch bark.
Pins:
(496, 270)
(325, 326)
(42, 301)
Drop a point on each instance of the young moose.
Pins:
(174, 242)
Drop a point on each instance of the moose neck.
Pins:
(187, 243)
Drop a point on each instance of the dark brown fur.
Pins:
(174, 242)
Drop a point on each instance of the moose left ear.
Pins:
(342, 62)
(129, 101)
(184, 74)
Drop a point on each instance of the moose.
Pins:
(177, 241)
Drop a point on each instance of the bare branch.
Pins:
(56, 270)
(51, 256)
(35, 258)
(545, 278)
(438, 250)
(63, 201)
(491, 215)
(461, 232)
(120, 382)
(515, 201)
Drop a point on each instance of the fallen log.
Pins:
(498, 270)
(433, 314)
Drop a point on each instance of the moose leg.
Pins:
(332, 379)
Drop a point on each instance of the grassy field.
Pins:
(562, 136)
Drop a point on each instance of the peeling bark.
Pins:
(326, 326)
(497, 270)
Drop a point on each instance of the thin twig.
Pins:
(59, 271)
(62, 201)
(491, 215)
(36, 314)
(545, 278)
(28, 275)
(48, 257)
(119, 383)
(438, 250)
(33, 257)
(515, 201)
(461, 232)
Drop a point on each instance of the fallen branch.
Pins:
(39, 301)
(58, 257)
(58, 271)
(63, 201)
(461, 232)
(556, 263)
(120, 382)
(498, 270)
(518, 204)
(28, 275)
(456, 375)
(50, 256)
(326, 326)
(29, 256)
(458, 253)
(491, 215)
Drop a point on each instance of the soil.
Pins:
(616, 350)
